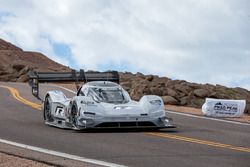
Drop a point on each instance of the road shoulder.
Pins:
(245, 118)
(15, 157)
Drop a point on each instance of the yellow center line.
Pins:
(17, 96)
(199, 141)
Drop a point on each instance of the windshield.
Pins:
(108, 95)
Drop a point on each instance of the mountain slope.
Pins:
(15, 64)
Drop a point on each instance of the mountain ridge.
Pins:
(15, 64)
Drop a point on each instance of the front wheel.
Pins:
(73, 115)
(47, 110)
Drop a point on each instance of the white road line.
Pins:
(184, 114)
(60, 154)
(208, 118)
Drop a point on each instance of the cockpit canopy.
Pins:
(106, 92)
(108, 95)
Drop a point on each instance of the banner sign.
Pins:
(223, 107)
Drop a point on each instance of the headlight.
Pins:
(166, 120)
(156, 102)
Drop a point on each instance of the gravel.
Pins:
(13, 161)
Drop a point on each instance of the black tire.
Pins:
(73, 115)
(47, 110)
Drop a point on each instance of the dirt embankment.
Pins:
(14, 161)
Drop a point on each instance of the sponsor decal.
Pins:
(59, 111)
(225, 108)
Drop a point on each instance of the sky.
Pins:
(203, 41)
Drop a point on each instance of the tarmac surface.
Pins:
(195, 141)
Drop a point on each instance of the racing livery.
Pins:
(103, 104)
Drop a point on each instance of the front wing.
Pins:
(115, 122)
(125, 122)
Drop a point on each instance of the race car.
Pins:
(103, 104)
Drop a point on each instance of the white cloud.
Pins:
(200, 41)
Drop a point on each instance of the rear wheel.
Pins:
(47, 110)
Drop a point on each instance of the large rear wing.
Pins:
(74, 76)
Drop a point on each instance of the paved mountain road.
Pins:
(196, 141)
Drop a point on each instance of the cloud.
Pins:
(200, 41)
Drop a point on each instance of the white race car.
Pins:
(99, 104)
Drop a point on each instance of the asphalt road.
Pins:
(196, 141)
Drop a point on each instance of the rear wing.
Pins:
(74, 76)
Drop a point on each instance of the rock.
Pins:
(192, 85)
(23, 78)
(4, 78)
(170, 100)
(126, 85)
(171, 92)
(180, 95)
(182, 88)
(201, 93)
(3, 72)
(213, 95)
(1, 68)
(126, 77)
(184, 100)
(23, 71)
(220, 86)
(219, 95)
(139, 89)
(18, 67)
(12, 79)
(140, 75)
(197, 102)
(242, 91)
(208, 87)
(150, 78)
(247, 109)
(156, 91)
(179, 92)
(160, 83)
(8, 69)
